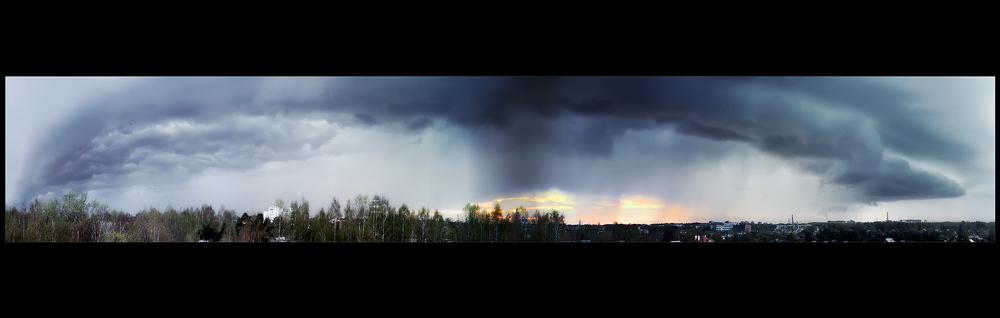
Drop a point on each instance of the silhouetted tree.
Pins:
(209, 233)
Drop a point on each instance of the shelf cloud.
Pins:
(876, 139)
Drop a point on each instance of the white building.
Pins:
(272, 212)
(728, 226)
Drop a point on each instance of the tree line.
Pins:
(899, 231)
(363, 218)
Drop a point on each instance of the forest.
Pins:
(363, 218)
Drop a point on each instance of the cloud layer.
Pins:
(525, 134)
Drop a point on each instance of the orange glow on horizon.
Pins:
(589, 209)
(639, 202)
(550, 207)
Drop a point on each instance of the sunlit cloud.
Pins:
(518, 198)
(552, 199)
(550, 207)
(638, 202)
(554, 196)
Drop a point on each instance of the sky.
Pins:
(596, 149)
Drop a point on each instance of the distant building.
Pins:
(912, 221)
(337, 223)
(272, 212)
(727, 226)
(703, 239)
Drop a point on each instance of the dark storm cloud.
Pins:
(162, 128)
(230, 143)
(808, 125)
(903, 126)
(366, 118)
(835, 128)
(896, 180)
(693, 128)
